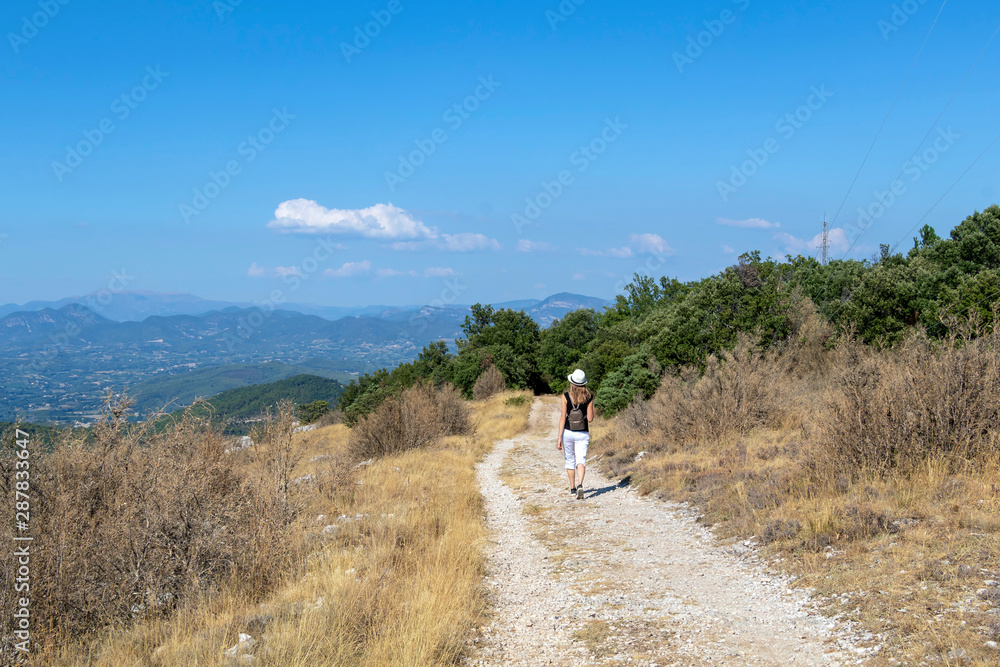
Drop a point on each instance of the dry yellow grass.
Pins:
(902, 554)
(398, 580)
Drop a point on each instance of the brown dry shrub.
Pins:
(135, 522)
(330, 418)
(413, 419)
(738, 391)
(489, 384)
(807, 352)
(780, 529)
(635, 418)
(863, 520)
(924, 400)
(454, 411)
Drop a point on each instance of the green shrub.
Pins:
(312, 412)
(633, 378)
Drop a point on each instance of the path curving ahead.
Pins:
(618, 579)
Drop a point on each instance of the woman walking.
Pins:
(574, 432)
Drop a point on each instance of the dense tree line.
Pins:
(658, 326)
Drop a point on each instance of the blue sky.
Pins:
(473, 151)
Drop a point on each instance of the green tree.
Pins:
(311, 412)
(633, 378)
(563, 345)
(511, 339)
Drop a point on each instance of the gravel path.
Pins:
(618, 579)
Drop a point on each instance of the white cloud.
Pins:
(381, 221)
(624, 251)
(640, 244)
(837, 238)
(349, 269)
(524, 245)
(749, 223)
(432, 272)
(256, 271)
(578, 276)
(286, 271)
(651, 244)
(438, 272)
(463, 242)
(467, 241)
(728, 250)
(539, 285)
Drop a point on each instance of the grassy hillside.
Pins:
(322, 560)
(869, 475)
(236, 407)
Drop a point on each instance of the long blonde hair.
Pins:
(579, 395)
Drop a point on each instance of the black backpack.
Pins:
(576, 417)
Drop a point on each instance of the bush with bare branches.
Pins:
(414, 418)
(925, 399)
(737, 391)
(132, 524)
(489, 384)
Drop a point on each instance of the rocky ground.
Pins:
(618, 579)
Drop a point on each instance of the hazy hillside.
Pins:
(136, 306)
(59, 362)
(124, 306)
(181, 389)
(238, 407)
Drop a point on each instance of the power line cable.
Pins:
(929, 131)
(888, 113)
(924, 217)
(946, 192)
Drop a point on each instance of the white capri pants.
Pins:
(575, 445)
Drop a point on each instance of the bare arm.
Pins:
(562, 421)
(590, 412)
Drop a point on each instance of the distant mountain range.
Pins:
(136, 306)
(58, 362)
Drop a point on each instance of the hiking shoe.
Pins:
(579, 493)
(572, 489)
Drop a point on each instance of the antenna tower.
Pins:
(826, 240)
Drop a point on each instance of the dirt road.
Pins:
(617, 579)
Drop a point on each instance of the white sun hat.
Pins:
(579, 378)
